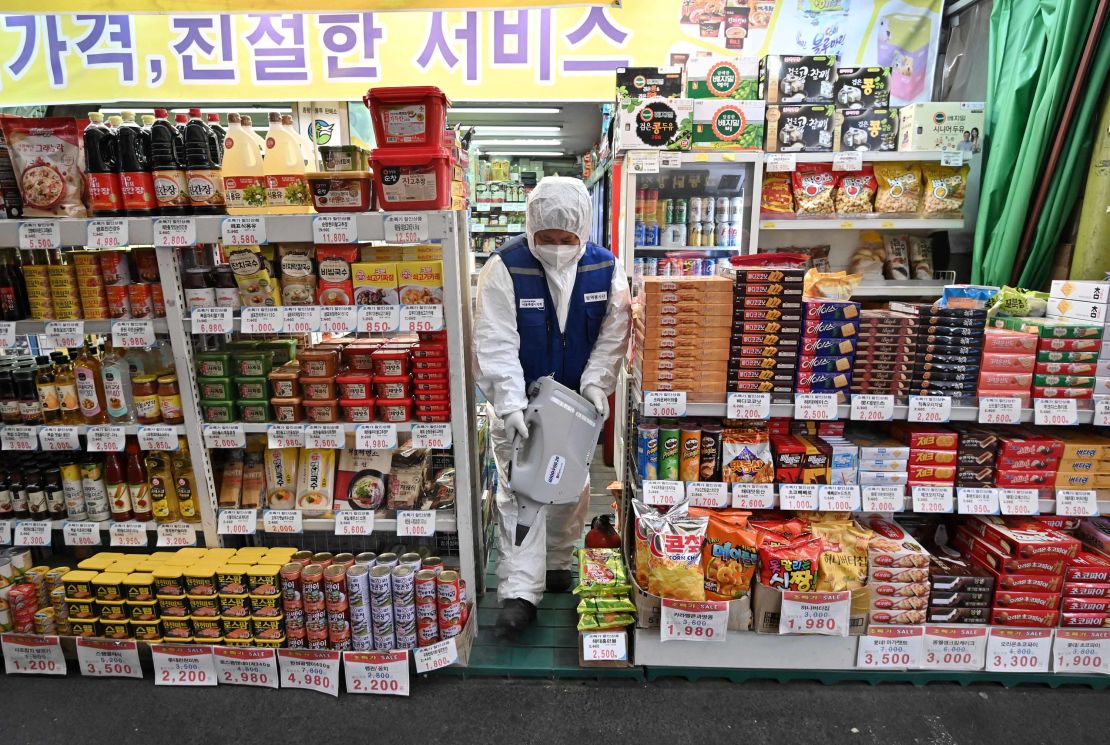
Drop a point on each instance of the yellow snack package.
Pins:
(899, 188)
(843, 564)
(674, 561)
(944, 190)
(729, 557)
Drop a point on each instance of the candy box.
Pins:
(799, 129)
(957, 615)
(828, 310)
(797, 79)
(1086, 590)
(940, 600)
(991, 557)
(1027, 618)
(1088, 567)
(1086, 605)
(955, 575)
(1095, 532)
(862, 88)
(1084, 620)
(1024, 538)
(1091, 292)
(1027, 600)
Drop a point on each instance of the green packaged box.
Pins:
(253, 363)
(217, 412)
(724, 124)
(284, 350)
(1051, 328)
(254, 412)
(252, 388)
(214, 364)
(723, 77)
(1064, 381)
(1046, 355)
(215, 389)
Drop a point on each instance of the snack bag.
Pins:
(899, 188)
(601, 572)
(813, 189)
(855, 192)
(868, 259)
(746, 457)
(829, 285)
(843, 563)
(728, 558)
(602, 621)
(777, 531)
(897, 265)
(921, 257)
(605, 605)
(776, 197)
(1012, 301)
(944, 190)
(645, 524)
(674, 564)
(791, 567)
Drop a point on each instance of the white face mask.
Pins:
(555, 256)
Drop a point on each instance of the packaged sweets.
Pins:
(729, 557)
(897, 264)
(921, 257)
(746, 457)
(855, 192)
(603, 621)
(843, 563)
(899, 189)
(869, 258)
(944, 190)
(674, 561)
(813, 189)
(793, 566)
(601, 572)
(46, 157)
(777, 197)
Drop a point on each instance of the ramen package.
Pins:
(674, 559)
(601, 572)
(46, 158)
(791, 567)
(746, 457)
(855, 192)
(728, 558)
(777, 197)
(813, 189)
(254, 275)
(843, 564)
(605, 605)
(899, 188)
(944, 190)
(604, 621)
(298, 276)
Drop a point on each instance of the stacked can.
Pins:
(61, 610)
(315, 608)
(63, 290)
(381, 606)
(358, 596)
(117, 276)
(338, 607)
(23, 603)
(292, 604)
(36, 279)
(404, 604)
(412, 560)
(449, 598)
(37, 577)
(427, 609)
(90, 284)
(367, 559)
(44, 622)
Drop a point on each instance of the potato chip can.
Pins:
(403, 585)
(381, 586)
(427, 632)
(358, 586)
(696, 209)
(447, 587)
(690, 454)
(709, 462)
(647, 451)
(367, 558)
(669, 445)
(425, 586)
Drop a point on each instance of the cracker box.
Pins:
(939, 125)
(799, 129)
(1077, 310)
(723, 124)
(659, 123)
(893, 547)
(797, 78)
(1025, 538)
(862, 88)
(866, 130)
(1090, 292)
(716, 77)
(638, 83)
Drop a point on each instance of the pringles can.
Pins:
(669, 439)
(709, 459)
(647, 451)
(690, 453)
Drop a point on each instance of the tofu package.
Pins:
(797, 78)
(799, 129)
(658, 123)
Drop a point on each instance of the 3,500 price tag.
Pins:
(109, 658)
(890, 647)
(691, 620)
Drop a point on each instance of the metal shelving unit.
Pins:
(866, 223)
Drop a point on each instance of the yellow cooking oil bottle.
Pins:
(283, 167)
(242, 172)
(185, 483)
(163, 495)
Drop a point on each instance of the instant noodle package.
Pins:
(603, 587)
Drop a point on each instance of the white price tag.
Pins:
(176, 535)
(133, 334)
(81, 533)
(106, 438)
(999, 410)
(798, 497)
(435, 436)
(694, 621)
(59, 438)
(313, 670)
(385, 673)
(663, 493)
(872, 407)
(972, 501)
(421, 318)
(338, 319)
(952, 158)
(670, 160)
(5, 532)
(237, 522)
(932, 499)
(753, 496)
(643, 161)
(1101, 417)
(748, 406)
(175, 232)
(300, 319)
(1076, 502)
(246, 667)
(183, 665)
(1019, 501)
(883, 498)
(106, 232)
(930, 409)
(955, 647)
(30, 654)
(406, 228)
(378, 319)
(212, 320)
(823, 613)
(838, 497)
(281, 436)
(378, 436)
(32, 533)
(1081, 651)
(243, 231)
(282, 521)
(891, 647)
(109, 658)
(327, 436)
(416, 523)
(1011, 650)
(7, 334)
(1055, 412)
(354, 522)
(707, 493)
(224, 436)
(262, 320)
(436, 656)
(815, 406)
(127, 534)
(158, 437)
(605, 646)
(39, 234)
(664, 403)
(849, 160)
(66, 333)
(334, 229)
(779, 162)
(19, 437)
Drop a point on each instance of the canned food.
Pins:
(425, 586)
(403, 582)
(262, 579)
(265, 605)
(433, 563)
(324, 558)
(207, 628)
(177, 629)
(208, 605)
(369, 558)
(335, 586)
(139, 586)
(381, 585)
(143, 610)
(234, 605)
(666, 211)
(427, 632)
(387, 560)
(696, 209)
(107, 586)
(345, 560)
(411, 560)
(266, 627)
(168, 581)
(312, 585)
(736, 209)
(720, 233)
(147, 631)
(200, 580)
(274, 643)
(304, 558)
(674, 236)
(237, 628)
(172, 606)
(678, 212)
(406, 640)
(290, 580)
(708, 234)
(358, 586)
(81, 610)
(231, 579)
(447, 587)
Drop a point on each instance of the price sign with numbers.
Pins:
(780, 162)
(999, 410)
(238, 666)
(707, 493)
(327, 436)
(643, 161)
(176, 535)
(385, 673)
(952, 158)
(838, 497)
(972, 501)
(798, 496)
(872, 407)
(1076, 502)
(81, 533)
(848, 160)
(378, 319)
(664, 403)
(692, 620)
(753, 496)
(891, 647)
(1055, 412)
(416, 523)
(605, 646)
(39, 234)
(663, 493)
(1011, 650)
(338, 319)
(815, 406)
(300, 319)
(421, 318)
(822, 613)
(7, 333)
(930, 409)
(354, 522)
(282, 521)
(377, 436)
(334, 229)
(5, 532)
(883, 498)
(158, 437)
(1101, 417)
(281, 436)
(435, 436)
(670, 160)
(406, 228)
(212, 320)
(109, 658)
(436, 656)
(105, 438)
(19, 437)
(106, 232)
(175, 232)
(31, 533)
(263, 320)
(224, 436)
(183, 665)
(237, 522)
(748, 406)
(66, 333)
(127, 534)
(243, 231)
(31, 654)
(1019, 501)
(1081, 651)
(311, 669)
(59, 438)
(133, 334)
(955, 647)
(932, 499)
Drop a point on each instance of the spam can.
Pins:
(290, 582)
(312, 585)
(335, 586)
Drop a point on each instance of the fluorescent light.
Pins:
(482, 129)
(457, 111)
(518, 143)
(553, 153)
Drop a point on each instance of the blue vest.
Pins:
(544, 350)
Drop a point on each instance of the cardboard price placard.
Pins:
(383, 673)
(1081, 651)
(823, 613)
(436, 656)
(605, 646)
(313, 670)
(240, 666)
(694, 621)
(749, 405)
(1011, 650)
(955, 647)
(891, 647)
(109, 658)
(665, 403)
(31, 654)
(183, 665)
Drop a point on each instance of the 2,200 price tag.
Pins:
(663, 493)
(31, 533)
(823, 613)
(133, 334)
(872, 407)
(605, 646)
(301, 319)
(385, 673)
(338, 319)
(753, 496)
(883, 498)
(838, 497)
(127, 534)
(436, 656)
(664, 403)
(999, 410)
(109, 658)
(798, 497)
(1019, 501)
(246, 667)
(263, 321)
(1076, 502)
(183, 665)
(224, 436)
(354, 522)
(175, 232)
(325, 436)
(930, 409)
(109, 232)
(406, 228)
(890, 647)
(434, 436)
(176, 535)
(955, 647)
(748, 405)
(280, 436)
(1019, 650)
(30, 654)
(313, 670)
(243, 231)
(378, 319)
(416, 523)
(81, 533)
(334, 229)
(1081, 651)
(416, 318)
(39, 234)
(237, 522)
(378, 436)
(692, 620)
(282, 521)
(212, 320)
(974, 501)
(1055, 412)
(815, 406)
(932, 499)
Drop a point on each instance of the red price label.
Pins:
(183, 665)
(932, 499)
(127, 535)
(262, 321)
(212, 321)
(930, 409)
(243, 231)
(354, 522)
(132, 334)
(999, 410)
(237, 522)
(663, 493)
(379, 436)
(883, 498)
(175, 232)
(281, 436)
(282, 521)
(1019, 501)
(416, 523)
(605, 646)
(66, 333)
(19, 438)
(176, 535)
(313, 670)
(434, 436)
(815, 406)
(334, 229)
(405, 228)
(868, 407)
(415, 318)
(798, 497)
(32, 533)
(246, 667)
(106, 233)
(753, 496)
(1055, 412)
(890, 647)
(1082, 651)
(301, 319)
(325, 436)
(436, 656)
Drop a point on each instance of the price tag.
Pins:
(105, 438)
(798, 496)
(883, 498)
(664, 403)
(815, 406)
(406, 228)
(108, 658)
(1019, 501)
(66, 333)
(158, 437)
(670, 160)
(108, 232)
(281, 436)
(128, 534)
(891, 647)
(421, 318)
(39, 234)
(5, 532)
(435, 436)
(59, 438)
(999, 410)
(385, 673)
(379, 319)
(376, 436)
(971, 501)
(7, 334)
(30, 654)
(1101, 417)
(1076, 502)
(311, 669)
(663, 493)
(262, 320)
(933, 499)
(955, 647)
(19, 437)
(1018, 650)
(849, 160)
(243, 231)
(183, 665)
(32, 533)
(605, 646)
(175, 232)
(823, 613)
(436, 656)
(282, 521)
(334, 229)
(1055, 412)
(176, 535)
(354, 522)
(753, 496)
(643, 161)
(327, 436)
(839, 497)
(952, 158)
(930, 409)
(338, 319)
(693, 621)
(1081, 651)
(133, 333)
(872, 407)
(213, 320)
(224, 436)
(779, 162)
(748, 406)
(300, 319)
(416, 523)
(246, 667)
(707, 493)
(237, 522)
(81, 533)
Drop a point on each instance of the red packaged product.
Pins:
(1029, 618)
(1028, 443)
(924, 457)
(1086, 605)
(1085, 620)
(1065, 368)
(1057, 522)
(1088, 567)
(1026, 600)
(1024, 538)
(928, 438)
(1068, 345)
(1027, 463)
(1016, 479)
(922, 474)
(1002, 340)
(994, 362)
(1086, 590)
(989, 557)
(1006, 381)
(790, 567)
(334, 285)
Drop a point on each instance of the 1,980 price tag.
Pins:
(1019, 650)
(691, 620)
(385, 673)
(664, 403)
(749, 406)
(246, 667)
(434, 436)
(1055, 412)
(183, 665)
(823, 613)
(313, 670)
(930, 409)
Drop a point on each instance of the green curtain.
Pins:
(1034, 50)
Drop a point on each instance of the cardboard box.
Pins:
(1086, 590)
(1027, 600)
(1030, 618)
(1086, 605)
(797, 78)
(1088, 567)
(649, 608)
(893, 546)
(992, 558)
(1077, 310)
(767, 609)
(723, 78)
(640, 83)
(1090, 292)
(862, 88)
(721, 124)
(799, 129)
(938, 125)
(1025, 538)
(874, 130)
(655, 123)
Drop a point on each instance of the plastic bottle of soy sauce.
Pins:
(167, 160)
(135, 171)
(102, 179)
(206, 189)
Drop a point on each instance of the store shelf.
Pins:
(867, 223)
(503, 207)
(709, 250)
(445, 523)
(599, 172)
(348, 427)
(92, 326)
(749, 650)
(873, 156)
(496, 228)
(885, 289)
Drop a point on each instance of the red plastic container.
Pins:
(412, 178)
(390, 361)
(406, 116)
(391, 387)
(394, 411)
(354, 386)
(360, 411)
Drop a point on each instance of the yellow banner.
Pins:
(277, 6)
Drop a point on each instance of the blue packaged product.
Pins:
(647, 451)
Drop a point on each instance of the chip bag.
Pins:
(601, 572)
(603, 621)
(728, 558)
(855, 192)
(776, 197)
(645, 524)
(843, 564)
(945, 187)
(605, 605)
(778, 531)
(791, 567)
(746, 457)
(813, 189)
(674, 561)
(899, 188)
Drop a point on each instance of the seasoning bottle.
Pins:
(36, 494)
(116, 376)
(227, 290)
(19, 491)
(5, 494)
(11, 304)
(90, 387)
(48, 393)
(66, 385)
(9, 401)
(55, 495)
(134, 159)
(102, 180)
(93, 488)
(73, 490)
(185, 484)
(137, 487)
(167, 160)
(119, 499)
(169, 400)
(147, 407)
(163, 497)
(206, 188)
(30, 410)
(197, 288)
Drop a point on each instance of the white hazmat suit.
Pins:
(555, 204)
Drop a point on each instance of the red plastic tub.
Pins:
(414, 178)
(408, 115)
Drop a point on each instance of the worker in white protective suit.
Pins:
(549, 303)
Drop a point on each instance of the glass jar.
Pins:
(169, 400)
(145, 393)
